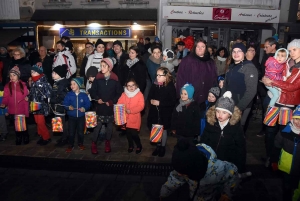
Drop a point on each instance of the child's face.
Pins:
(104, 68)
(13, 77)
(211, 98)
(91, 79)
(281, 57)
(131, 86)
(74, 86)
(55, 76)
(184, 95)
(221, 83)
(222, 115)
(296, 122)
(160, 76)
(33, 73)
(165, 58)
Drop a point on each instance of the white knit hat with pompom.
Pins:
(226, 103)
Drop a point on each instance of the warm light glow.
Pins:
(135, 36)
(135, 23)
(56, 26)
(94, 25)
(137, 27)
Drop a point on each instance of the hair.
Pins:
(20, 50)
(156, 46)
(282, 51)
(271, 41)
(132, 80)
(198, 41)
(167, 73)
(61, 42)
(65, 38)
(10, 87)
(225, 52)
(250, 46)
(137, 50)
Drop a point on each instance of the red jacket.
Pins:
(135, 105)
(290, 89)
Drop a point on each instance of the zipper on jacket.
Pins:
(219, 140)
(77, 104)
(294, 151)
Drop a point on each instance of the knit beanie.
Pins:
(78, 80)
(69, 45)
(240, 46)
(89, 43)
(226, 103)
(220, 77)
(99, 41)
(117, 42)
(61, 70)
(287, 53)
(294, 43)
(188, 160)
(169, 54)
(16, 71)
(109, 62)
(189, 89)
(296, 113)
(215, 91)
(36, 68)
(92, 71)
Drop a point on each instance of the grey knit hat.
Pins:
(294, 43)
(226, 103)
(215, 91)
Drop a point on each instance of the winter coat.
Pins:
(138, 72)
(135, 105)
(221, 64)
(59, 91)
(6, 62)
(24, 67)
(290, 89)
(274, 69)
(47, 67)
(152, 66)
(121, 62)
(40, 91)
(16, 103)
(241, 80)
(287, 141)
(3, 111)
(200, 72)
(229, 143)
(77, 101)
(187, 122)
(184, 53)
(203, 109)
(65, 57)
(170, 64)
(162, 114)
(108, 90)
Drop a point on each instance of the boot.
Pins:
(18, 138)
(107, 146)
(162, 152)
(25, 137)
(156, 151)
(94, 148)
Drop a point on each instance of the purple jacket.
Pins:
(201, 72)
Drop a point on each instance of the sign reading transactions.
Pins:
(103, 32)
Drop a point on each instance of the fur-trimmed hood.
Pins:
(211, 116)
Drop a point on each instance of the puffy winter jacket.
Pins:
(77, 101)
(65, 57)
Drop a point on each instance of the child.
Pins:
(134, 103)
(162, 98)
(15, 93)
(223, 132)
(106, 90)
(59, 91)
(40, 92)
(286, 154)
(3, 113)
(168, 60)
(274, 71)
(76, 103)
(221, 81)
(186, 116)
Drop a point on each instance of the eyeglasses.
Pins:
(237, 52)
(17, 54)
(158, 75)
(131, 85)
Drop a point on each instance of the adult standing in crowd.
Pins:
(290, 91)
(45, 61)
(89, 50)
(121, 57)
(64, 56)
(19, 60)
(241, 79)
(222, 60)
(135, 69)
(154, 61)
(199, 70)
(5, 59)
(182, 51)
(147, 44)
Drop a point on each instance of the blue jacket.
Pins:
(77, 101)
(2, 110)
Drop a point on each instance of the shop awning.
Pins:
(8, 35)
(94, 14)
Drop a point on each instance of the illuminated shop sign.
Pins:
(103, 32)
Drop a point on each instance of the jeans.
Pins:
(76, 125)
(97, 129)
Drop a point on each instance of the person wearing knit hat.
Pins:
(294, 43)
(169, 60)
(109, 62)
(207, 176)
(240, 46)
(185, 116)
(98, 42)
(78, 81)
(223, 122)
(221, 79)
(117, 42)
(91, 72)
(215, 91)
(36, 68)
(60, 70)
(16, 71)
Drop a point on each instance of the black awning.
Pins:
(8, 35)
(94, 14)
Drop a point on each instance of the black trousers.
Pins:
(132, 136)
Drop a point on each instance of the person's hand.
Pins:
(274, 166)
(71, 107)
(6, 114)
(39, 64)
(100, 101)
(26, 98)
(128, 111)
(2, 106)
(82, 109)
(155, 102)
(267, 81)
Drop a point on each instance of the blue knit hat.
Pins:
(240, 46)
(296, 113)
(189, 89)
(36, 68)
(79, 81)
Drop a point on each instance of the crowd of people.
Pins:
(202, 98)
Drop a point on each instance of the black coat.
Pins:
(109, 91)
(138, 72)
(120, 64)
(58, 94)
(187, 122)
(24, 67)
(47, 67)
(161, 114)
(6, 62)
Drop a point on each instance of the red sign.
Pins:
(221, 14)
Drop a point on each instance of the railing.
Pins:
(58, 4)
(128, 3)
(94, 3)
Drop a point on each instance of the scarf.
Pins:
(159, 83)
(154, 60)
(221, 58)
(294, 129)
(183, 103)
(206, 57)
(223, 125)
(130, 62)
(36, 78)
(130, 94)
